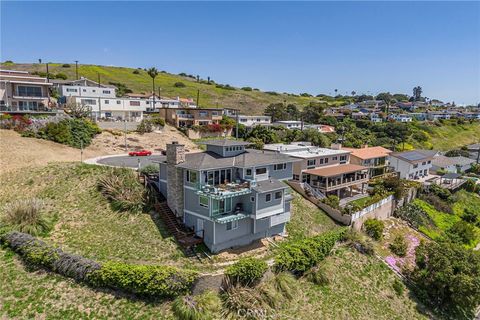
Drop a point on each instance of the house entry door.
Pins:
(199, 228)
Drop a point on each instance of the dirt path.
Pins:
(18, 152)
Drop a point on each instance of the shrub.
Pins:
(152, 168)
(144, 280)
(157, 121)
(27, 216)
(437, 203)
(246, 88)
(357, 241)
(73, 132)
(62, 76)
(136, 72)
(201, 307)
(414, 215)
(300, 255)
(398, 287)
(399, 246)
(144, 126)
(74, 266)
(122, 188)
(318, 275)
(332, 201)
(374, 228)
(470, 216)
(65, 65)
(179, 85)
(461, 232)
(442, 193)
(247, 271)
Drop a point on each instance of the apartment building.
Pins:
(187, 117)
(374, 158)
(327, 170)
(412, 165)
(401, 117)
(229, 195)
(22, 92)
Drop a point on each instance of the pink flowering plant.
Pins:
(398, 263)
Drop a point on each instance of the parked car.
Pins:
(141, 153)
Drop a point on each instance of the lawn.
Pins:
(86, 224)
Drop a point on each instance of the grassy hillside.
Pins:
(250, 102)
(449, 136)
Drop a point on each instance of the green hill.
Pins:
(249, 102)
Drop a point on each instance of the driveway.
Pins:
(126, 160)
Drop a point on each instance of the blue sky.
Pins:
(296, 47)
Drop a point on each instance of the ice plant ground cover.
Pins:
(398, 263)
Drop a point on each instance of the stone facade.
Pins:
(175, 155)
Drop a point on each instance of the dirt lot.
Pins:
(18, 152)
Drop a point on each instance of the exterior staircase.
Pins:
(315, 192)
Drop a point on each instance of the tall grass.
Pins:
(206, 306)
(27, 216)
(122, 188)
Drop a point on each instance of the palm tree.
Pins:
(336, 90)
(153, 73)
(353, 93)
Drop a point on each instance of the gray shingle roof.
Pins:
(250, 158)
(269, 185)
(462, 160)
(226, 143)
(415, 155)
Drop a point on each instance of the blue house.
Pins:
(229, 195)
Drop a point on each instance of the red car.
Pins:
(141, 153)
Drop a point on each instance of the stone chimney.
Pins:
(175, 156)
(336, 146)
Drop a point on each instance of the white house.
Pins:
(412, 164)
(401, 117)
(289, 124)
(250, 121)
(375, 117)
(113, 108)
(84, 88)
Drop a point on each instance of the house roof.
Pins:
(369, 152)
(335, 170)
(249, 158)
(463, 160)
(451, 176)
(225, 143)
(269, 185)
(442, 161)
(415, 155)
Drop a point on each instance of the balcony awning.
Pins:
(335, 170)
(222, 219)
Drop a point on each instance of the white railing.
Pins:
(316, 193)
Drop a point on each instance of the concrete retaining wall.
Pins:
(380, 210)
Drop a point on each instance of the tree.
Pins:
(447, 276)
(336, 90)
(400, 97)
(77, 110)
(153, 73)
(417, 93)
(264, 134)
(277, 111)
(313, 113)
(353, 93)
(400, 132)
(293, 112)
(461, 232)
(316, 138)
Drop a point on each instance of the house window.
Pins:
(343, 158)
(248, 172)
(311, 163)
(334, 158)
(203, 114)
(415, 166)
(259, 171)
(192, 176)
(280, 166)
(278, 195)
(84, 90)
(424, 163)
(252, 199)
(268, 197)
(71, 90)
(203, 201)
(135, 103)
(429, 162)
(326, 160)
(106, 91)
(118, 101)
(321, 161)
(89, 101)
(94, 90)
(232, 225)
(107, 101)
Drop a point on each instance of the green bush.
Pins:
(461, 232)
(201, 307)
(374, 228)
(144, 280)
(136, 72)
(442, 193)
(246, 88)
(332, 201)
(27, 216)
(247, 271)
(73, 132)
(152, 168)
(157, 121)
(318, 275)
(65, 65)
(179, 85)
(300, 255)
(62, 76)
(122, 188)
(399, 246)
(414, 215)
(398, 287)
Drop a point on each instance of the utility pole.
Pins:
(48, 75)
(99, 101)
(76, 68)
(198, 97)
(81, 150)
(125, 131)
(236, 125)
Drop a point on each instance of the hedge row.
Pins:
(143, 280)
(300, 255)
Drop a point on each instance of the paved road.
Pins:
(131, 162)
